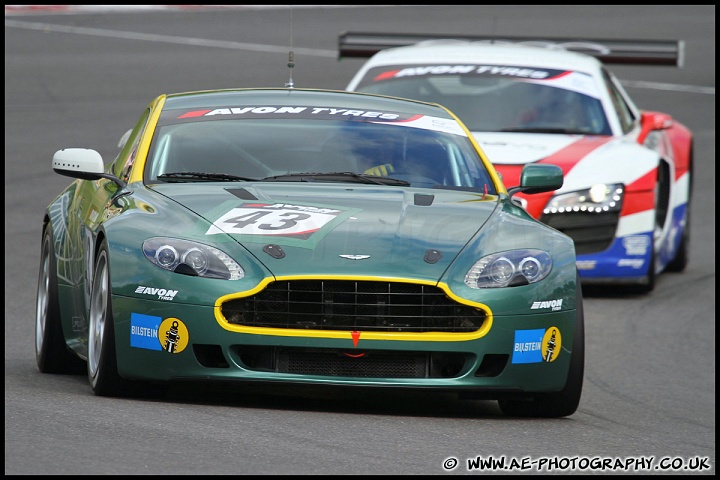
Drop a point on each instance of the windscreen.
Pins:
(420, 150)
(499, 98)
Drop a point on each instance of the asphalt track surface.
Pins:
(81, 78)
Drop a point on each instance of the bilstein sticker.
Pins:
(537, 346)
(173, 335)
(153, 333)
(144, 331)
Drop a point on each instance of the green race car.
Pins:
(308, 237)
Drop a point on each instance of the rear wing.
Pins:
(631, 52)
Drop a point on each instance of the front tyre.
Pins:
(649, 283)
(51, 351)
(566, 401)
(102, 362)
(682, 255)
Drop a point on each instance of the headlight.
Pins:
(191, 258)
(509, 269)
(599, 198)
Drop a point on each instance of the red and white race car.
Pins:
(628, 172)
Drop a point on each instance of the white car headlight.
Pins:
(191, 258)
(599, 198)
(509, 269)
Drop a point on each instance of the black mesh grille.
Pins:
(357, 362)
(375, 364)
(353, 305)
(591, 232)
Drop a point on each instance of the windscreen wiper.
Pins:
(336, 177)
(566, 131)
(204, 177)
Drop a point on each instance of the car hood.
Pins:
(584, 159)
(337, 229)
(514, 148)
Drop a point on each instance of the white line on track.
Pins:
(22, 9)
(149, 37)
(73, 9)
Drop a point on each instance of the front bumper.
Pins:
(165, 342)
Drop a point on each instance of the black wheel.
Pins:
(662, 210)
(102, 362)
(566, 401)
(680, 260)
(51, 351)
(649, 284)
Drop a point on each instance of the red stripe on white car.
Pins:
(566, 158)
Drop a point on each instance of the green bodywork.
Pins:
(395, 226)
(381, 221)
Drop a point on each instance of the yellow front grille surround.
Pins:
(348, 334)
